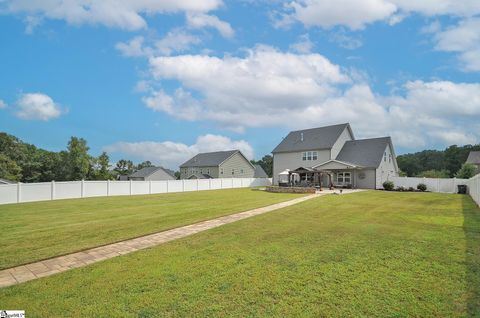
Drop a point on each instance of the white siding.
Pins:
(386, 168)
(293, 160)
(344, 137)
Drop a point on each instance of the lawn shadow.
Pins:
(471, 227)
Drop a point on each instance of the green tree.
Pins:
(466, 171)
(9, 169)
(266, 163)
(101, 167)
(79, 162)
(124, 167)
(434, 174)
(144, 164)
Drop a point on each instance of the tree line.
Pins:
(438, 163)
(24, 162)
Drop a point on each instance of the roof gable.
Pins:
(209, 159)
(309, 139)
(365, 152)
(259, 172)
(473, 157)
(147, 171)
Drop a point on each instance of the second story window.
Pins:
(309, 155)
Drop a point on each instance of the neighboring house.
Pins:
(219, 164)
(259, 172)
(5, 181)
(334, 152)
(152, 174)
(474, 159)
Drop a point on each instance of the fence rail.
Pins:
(433, 184)
(30, 192)
(473, 185)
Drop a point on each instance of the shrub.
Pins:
(411, 189)
(401, 188)
(388, 185)
(422, 187)
(466, 171)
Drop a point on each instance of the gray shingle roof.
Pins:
(200, 176)
(145, 172)
(259, 172)
(367, 153)
(315, 138)
(474, 157)
(209, 159)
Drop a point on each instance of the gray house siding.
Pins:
(240, 166)
(187, 172)
(365, 179)
(344, 137)
(293, 160)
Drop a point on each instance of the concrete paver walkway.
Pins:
(23, 273)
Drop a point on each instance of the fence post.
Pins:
(52, 190)
(221, 183)
(183, 185)
(131, 186)
(19, 192)
(454, 184)
(149, 186)
(82, 191)
(108, 188)
(209, 184)
(168, 181)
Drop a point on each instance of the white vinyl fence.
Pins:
(473, 185)
(29, 192)
(433, 184)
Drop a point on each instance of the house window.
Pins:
(221, 170)
(309, 155)
(233, 172)
(344, 177)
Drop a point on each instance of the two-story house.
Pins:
(219, 164)
(474, 159)
(345, 161)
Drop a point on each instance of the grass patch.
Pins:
(39, 230)
(372, 254)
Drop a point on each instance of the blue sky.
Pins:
(163, 80)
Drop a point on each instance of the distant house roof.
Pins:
(474, 157)
(145, 172)
(209, 159)
(5, 181)
(365, 152)
(200, 176)
(259, 172)
(315, 138)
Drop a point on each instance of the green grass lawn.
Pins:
(371, 254)
(39, 230)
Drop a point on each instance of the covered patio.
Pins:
(344, 173)
(309, 177)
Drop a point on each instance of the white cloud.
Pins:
(304, 45)
(329, 13)
(177, 40)
(269, 88)
(124, 14)
(202, 20)
(37, 106)
(463, 39)
(171, 154)
(2, 104)
(344, 40)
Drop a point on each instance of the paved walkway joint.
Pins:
(24, 273)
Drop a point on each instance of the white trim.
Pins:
(338, 161)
